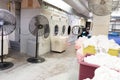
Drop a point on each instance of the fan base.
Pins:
(35, 60)
(5, 65)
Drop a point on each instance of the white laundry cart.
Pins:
(58, 43)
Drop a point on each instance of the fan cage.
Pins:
(9, 22)
(39, 20)
(103, 7)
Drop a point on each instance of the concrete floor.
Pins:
(58, 66)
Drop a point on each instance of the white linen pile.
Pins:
(104, 59)
(104, 73)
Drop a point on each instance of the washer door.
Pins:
(69, 30)
(63, 29)
(46, 31)
(76, 30)
(56, 30)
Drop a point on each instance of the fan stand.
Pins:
(36, 59)
(3, 65)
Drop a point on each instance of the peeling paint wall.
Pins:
(55, 17)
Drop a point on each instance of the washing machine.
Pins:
(55, 27)
(28, 41)
(58, 40)
(44, 46)
(64, 25)
(73, 21)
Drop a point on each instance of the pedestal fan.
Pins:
(37, 28)
(7, 26)
(102, 7)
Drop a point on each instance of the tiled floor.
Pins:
(58, 66)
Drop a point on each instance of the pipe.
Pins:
(78, 6)
(59, 4)
(85, 4)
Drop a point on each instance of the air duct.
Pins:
(85, 4)
(78, 6)
(59, 4)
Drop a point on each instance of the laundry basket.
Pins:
(90, 49)
(113, 52)
(86, 70)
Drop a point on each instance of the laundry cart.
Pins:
(5, 46)
(86, 70)
(58, 43)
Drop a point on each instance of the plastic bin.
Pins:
(90, 49)
(86, 70)
(113, 52)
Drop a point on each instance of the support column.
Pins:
(100, 25)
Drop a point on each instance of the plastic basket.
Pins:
(89, 50)
(113, 52)
(86, 70)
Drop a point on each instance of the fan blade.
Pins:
(8, 23)
(46, 30)
(7, 29)
(37, 19)
(34, 32)
(40, 32)
(38, 22)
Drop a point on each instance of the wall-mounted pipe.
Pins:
(85, 4)
(78, 6)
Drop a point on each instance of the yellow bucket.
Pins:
(89, 50)
(113, 52)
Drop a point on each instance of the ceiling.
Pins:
(81, 7)
(116, 13)
(84, 3)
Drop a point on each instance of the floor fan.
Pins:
(37, 28)
(7, 26)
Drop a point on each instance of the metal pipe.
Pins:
(78, 6)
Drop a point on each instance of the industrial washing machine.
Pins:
(27, 39)
(58, 40)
